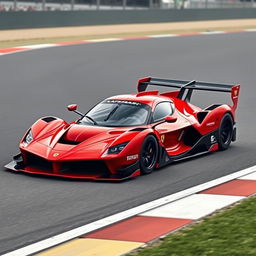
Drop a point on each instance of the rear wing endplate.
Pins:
(187, 87)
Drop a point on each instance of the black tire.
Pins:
(148, 154)
(225, 132)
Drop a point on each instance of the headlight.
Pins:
(29, 137)
(117, 149)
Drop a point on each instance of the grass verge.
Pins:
(231, 232)
(23, 42)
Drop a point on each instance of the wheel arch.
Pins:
(154, 156)
(213, 119)
(226, 130)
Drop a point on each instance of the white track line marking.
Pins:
(37, 46)
(250, 30)
(193, 207)
(163, 36)
(104, 40)
(212, 32)
(251, 176)
(55, 240)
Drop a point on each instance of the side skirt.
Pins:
(205, 144)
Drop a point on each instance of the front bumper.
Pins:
(92, 169)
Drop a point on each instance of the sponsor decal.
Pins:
(124, 102)
(213, 139)
(133, 157)
(56, 154)
(210, 124)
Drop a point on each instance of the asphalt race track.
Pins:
(42, 82)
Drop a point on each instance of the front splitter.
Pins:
(12, 166)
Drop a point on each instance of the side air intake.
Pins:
(49, 119)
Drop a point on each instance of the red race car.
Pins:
(128, 135)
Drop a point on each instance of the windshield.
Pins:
(117, 113)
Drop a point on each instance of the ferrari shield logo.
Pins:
(162, 138)
(235, 92)
(56, 154)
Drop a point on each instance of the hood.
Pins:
(79, 133)
(76, 142)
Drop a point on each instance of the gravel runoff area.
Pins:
(105, 30)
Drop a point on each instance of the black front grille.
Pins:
(85, 167)
(37, 162)
(89, 167)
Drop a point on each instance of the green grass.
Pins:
(15, 43)
(231, 232)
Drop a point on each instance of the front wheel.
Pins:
(148, 154)
(225, 132)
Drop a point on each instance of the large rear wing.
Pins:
(187, 87)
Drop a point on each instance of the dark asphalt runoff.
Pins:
(42, 82)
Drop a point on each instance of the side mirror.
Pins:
(170, 119)
(72, 107)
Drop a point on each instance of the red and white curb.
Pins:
(152, 220)
(40, 46)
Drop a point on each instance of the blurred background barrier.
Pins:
(40, 19)
(64, 5)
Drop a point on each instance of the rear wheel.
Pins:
(225, 132)
(148, 154)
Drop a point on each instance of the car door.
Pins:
(171, 134)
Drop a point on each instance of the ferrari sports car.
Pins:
(128, 135)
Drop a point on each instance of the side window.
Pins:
(162, 110)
